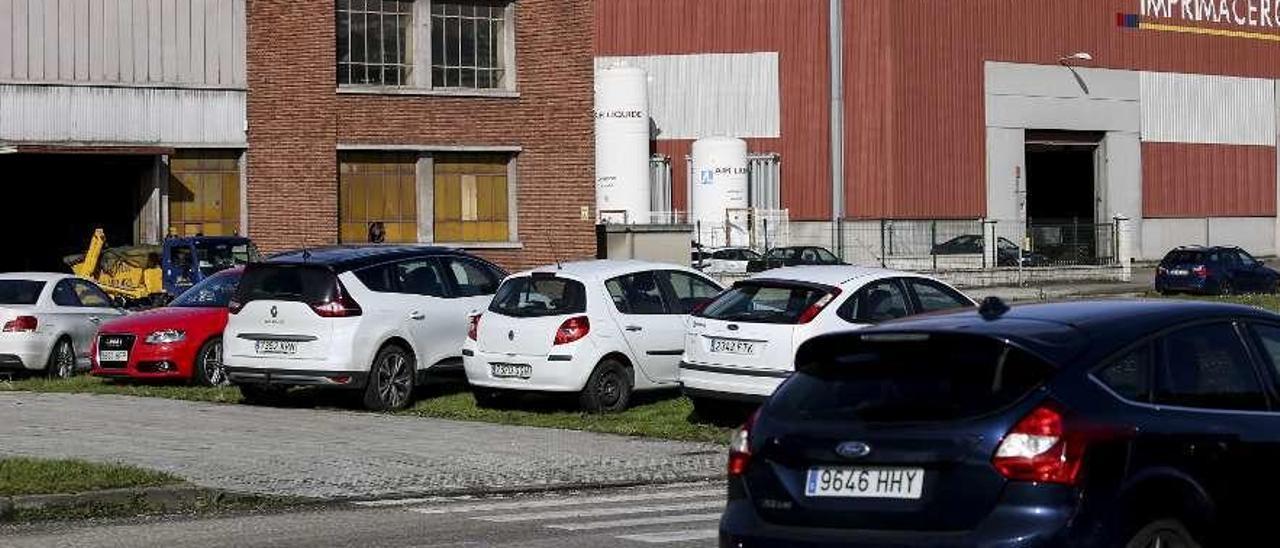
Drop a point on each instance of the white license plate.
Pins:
(113, 355)
(727, 346)
(512, 370)
(275, 347)
(1179, 272)
(873, 483)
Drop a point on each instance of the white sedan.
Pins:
(48, 321)
(600, 329)
(727, 260)
(742, 345)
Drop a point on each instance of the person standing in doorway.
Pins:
(377, 232)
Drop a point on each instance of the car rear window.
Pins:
(20, 291)
(777, 303)
(907, 378)
(310, 284)
(1179, 257)
(535, 296)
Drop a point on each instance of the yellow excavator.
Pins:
(155, 274)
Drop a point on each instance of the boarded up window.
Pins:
(471, 198)
(378, 198)
(204, 193)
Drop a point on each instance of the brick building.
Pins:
(301, 123)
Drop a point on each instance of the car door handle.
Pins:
(634, 328)
(415, 315)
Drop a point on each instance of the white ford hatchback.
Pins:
(368, 318)
(742, 345)
(600, 329)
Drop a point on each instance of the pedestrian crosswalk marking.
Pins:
(564, 501)
(596, 512)
(635, 522)
(673, 536)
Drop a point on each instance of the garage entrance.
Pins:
(56, 200)
(1062, 195)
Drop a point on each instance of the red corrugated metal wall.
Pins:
(922, 80)
(796, 29)
(1190, 180)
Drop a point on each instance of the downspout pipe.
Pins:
(836, 55)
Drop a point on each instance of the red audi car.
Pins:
(182, 341)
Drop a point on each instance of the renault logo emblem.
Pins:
(853, 449)
(275, 311)
(511, 335)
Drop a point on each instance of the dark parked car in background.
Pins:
(1117, 423)
(1007, 252)
(779, 257)
(1219, 270)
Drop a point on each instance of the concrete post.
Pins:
(1124, 246)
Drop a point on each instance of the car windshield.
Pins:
(216, 257)
(782, 253)
(908, 379)
(536, 296)
(20, 291)
(1184, 257)
(763, 303)
(214, 292)
(750, 255)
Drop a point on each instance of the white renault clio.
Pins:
(742, 345)
(598, 328)
(368, 318)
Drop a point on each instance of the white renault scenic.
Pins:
(600, 329)
(369, 318)
(742, 345)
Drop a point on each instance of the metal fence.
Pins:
(972, 244)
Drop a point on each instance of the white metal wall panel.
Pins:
(1193, 108)
(122, 115)
(181, 43)
(694, 96)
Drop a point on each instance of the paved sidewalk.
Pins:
(333, 454)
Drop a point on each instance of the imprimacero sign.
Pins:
(1241, 13)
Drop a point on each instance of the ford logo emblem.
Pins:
(853, 449)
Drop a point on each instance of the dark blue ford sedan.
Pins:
(1119, 423)
(1214, 270)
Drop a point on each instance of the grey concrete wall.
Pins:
(1254, 234)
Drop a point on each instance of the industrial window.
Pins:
(375, 42)
(204, 193)
(471, 198)
(440, 44)
(378, 198)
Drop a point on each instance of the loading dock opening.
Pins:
(1062, 194)
(56, 200)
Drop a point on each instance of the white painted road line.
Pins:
(635, 522)
(674, 536)
(565, 501)
(407, 502)
(597, 512)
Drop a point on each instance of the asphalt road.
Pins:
(683, 515)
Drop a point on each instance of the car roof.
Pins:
(603, 269)
(832, 275)
(1077, 331)
(1203, 248)
(343, 258)
(36, 276)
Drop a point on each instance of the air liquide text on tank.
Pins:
(718, 190)
(622, 145)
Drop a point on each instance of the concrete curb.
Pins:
(523, 489)
(164, 499)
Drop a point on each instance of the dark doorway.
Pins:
(55, 201)
(1062, 196)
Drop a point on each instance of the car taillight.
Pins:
(21, 324)
(740, 447)
(341, 307)
(1201, 271)
(812, 312)
(1039, 449)
(573, 329)
(1162, 270)
(473, 328)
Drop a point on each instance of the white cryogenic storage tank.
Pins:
(622, 145)
(718, 190)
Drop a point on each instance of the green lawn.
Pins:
(24, 476)
(85, 384)
(1266, 302)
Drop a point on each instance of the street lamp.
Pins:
(1081, 56)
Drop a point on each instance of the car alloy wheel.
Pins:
(1163, 534)
(213, 371)
(390, 381)
(64, 360)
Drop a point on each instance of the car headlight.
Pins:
(166, 336)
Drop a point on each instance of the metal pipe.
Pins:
(836, 54)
